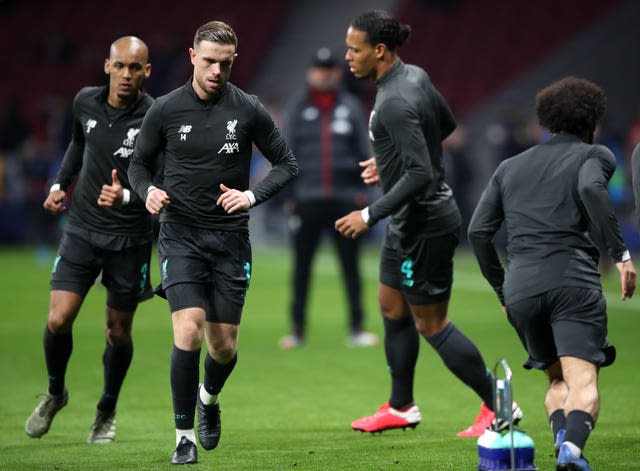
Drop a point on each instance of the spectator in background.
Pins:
(13, 126)
(108, 232)
(327, 131)
(458, 172)
(13, 134)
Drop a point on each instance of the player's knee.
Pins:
(118, 331)
(393, 312)
(224, 351)
(187, 337)
(430, 325)
(426, 329)
(118, 336)
(59, 322)
(226, 355)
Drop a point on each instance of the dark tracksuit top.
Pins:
(407, 125)
(206, 143)
(552, 198)
(328, 144)
(103, 139)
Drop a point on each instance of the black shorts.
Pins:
(125, 272)
(422, 269)
(205, 268)
(568, 321)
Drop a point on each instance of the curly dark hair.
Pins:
(572, 105)
(381, 27)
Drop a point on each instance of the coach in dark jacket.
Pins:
(327, 131)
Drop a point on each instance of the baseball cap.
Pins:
(324, 57)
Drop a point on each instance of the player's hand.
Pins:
(54, 203)
(111, 195)
(352, 225)
(627, 279)
(232, 200)
(156, 201)
(370, 173)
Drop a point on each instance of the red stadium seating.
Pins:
(472, 48)
(55, 48)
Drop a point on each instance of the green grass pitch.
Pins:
(289, 410)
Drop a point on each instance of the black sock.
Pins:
(57, 351)
(558, 421)
(184, 386)
(579, 427)
(216, 374)
(463, 359)
(401, 346)
(116, 361)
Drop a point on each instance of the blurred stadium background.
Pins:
(488, 57)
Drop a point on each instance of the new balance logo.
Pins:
(90, 124)
(183, 131)
(229, 148)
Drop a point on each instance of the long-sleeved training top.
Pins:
(407, 125)
(552, 198)
(328, 142)
(206, 143)
(103, 139)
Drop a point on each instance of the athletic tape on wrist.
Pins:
(365, 215)
(251, 197)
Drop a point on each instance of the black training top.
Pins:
(552, 198)
(407, 125)
(328, 144)
(103, 139)
(206, 143)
